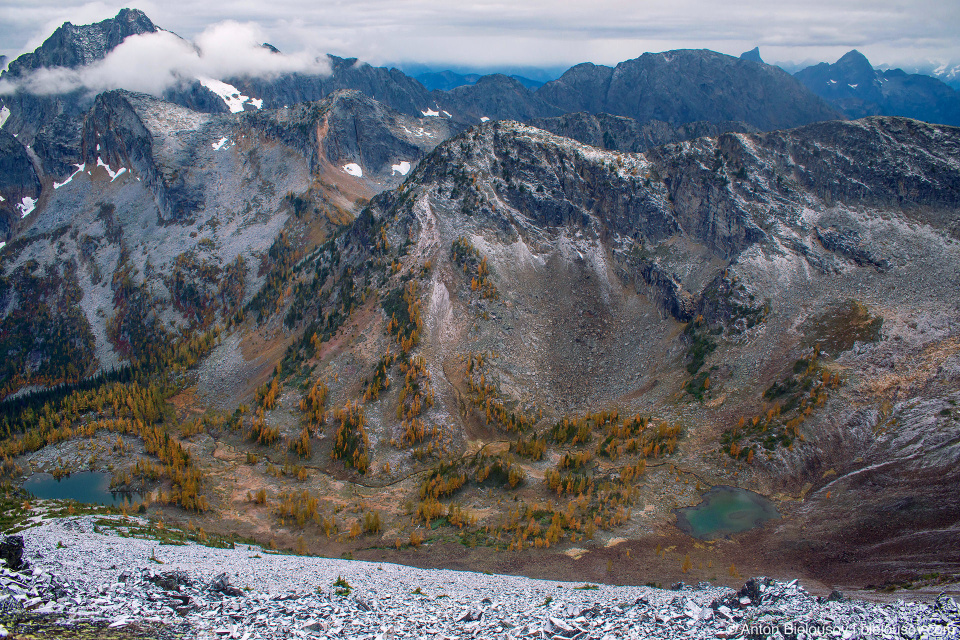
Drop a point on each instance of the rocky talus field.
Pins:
(77, 577)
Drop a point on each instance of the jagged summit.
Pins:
(77, 45)
(753, 55)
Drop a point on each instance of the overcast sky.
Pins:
(538, 32)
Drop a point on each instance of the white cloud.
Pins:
(152, 62)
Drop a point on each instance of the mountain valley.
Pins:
(493, 328)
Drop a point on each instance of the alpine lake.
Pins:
(725, 511)
(88, 487)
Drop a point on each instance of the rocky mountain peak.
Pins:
(77, 45)
(753, 55)
(857, 89)
(854, 68)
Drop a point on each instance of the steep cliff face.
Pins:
(619, 133)
(50, 122)
(19, 185)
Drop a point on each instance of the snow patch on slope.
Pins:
(26, 206)
(80, 167)
(402, 167)
(353, 169)
(4, 114)
(218, 144)
(230, 95)
(113, 174)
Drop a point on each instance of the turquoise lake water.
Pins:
(725, 511)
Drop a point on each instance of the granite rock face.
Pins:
(18, 180)
(619, 133)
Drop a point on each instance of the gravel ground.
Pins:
(79, 572)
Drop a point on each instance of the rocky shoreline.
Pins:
(77, 571)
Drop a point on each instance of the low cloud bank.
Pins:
(153, 62)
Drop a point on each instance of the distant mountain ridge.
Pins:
(656, 98)
(447, 80)
(675, 88)
(686, 86)
(858, 90)
(685, 90)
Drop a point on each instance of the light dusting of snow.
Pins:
(80, 167)
(484, 119)
(431, 113)
(27, 206)
(353, 169)
(219, 144)
(420, 132)
(230, 95)
(402, 167)
(4, 114)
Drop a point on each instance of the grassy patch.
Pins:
(789, 402)
(840, 326)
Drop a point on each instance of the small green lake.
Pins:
(725, 511)
(90, 487)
